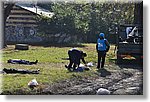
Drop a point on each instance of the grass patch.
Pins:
(50, 64)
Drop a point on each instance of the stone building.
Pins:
(21, 25)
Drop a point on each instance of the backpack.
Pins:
(101, 44)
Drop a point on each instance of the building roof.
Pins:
(36, 9)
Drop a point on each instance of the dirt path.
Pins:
(122, 81)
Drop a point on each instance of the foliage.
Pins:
(86, 19)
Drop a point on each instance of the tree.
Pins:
(6, 11)
(138, 13)
(87, 19)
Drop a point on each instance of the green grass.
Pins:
(51, 65)
(41, 53)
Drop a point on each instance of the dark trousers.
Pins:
(74, 64)
(101, 59)
(21, 62)
(74, 60)
(21, 71)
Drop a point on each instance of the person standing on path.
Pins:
(102, 47)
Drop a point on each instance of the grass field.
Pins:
(51, 65)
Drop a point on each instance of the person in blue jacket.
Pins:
(102, 47)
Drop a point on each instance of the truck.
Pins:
(129, 42)
(130, 37)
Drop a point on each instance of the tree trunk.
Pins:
(6, 12)
(138, 13)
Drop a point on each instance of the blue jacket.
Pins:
(101, 44)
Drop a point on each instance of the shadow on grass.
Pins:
(103, 72)
(65, 58)
(65, 45)
(48, 44)
(59, 45)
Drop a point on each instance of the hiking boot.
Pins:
(98, 67)
(66, 66)
(36, 61)
(102, 67)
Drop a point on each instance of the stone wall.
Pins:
(62, 38)
(20, 34)
(16, 34)
(21, 27)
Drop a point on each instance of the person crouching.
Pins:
(75, 56)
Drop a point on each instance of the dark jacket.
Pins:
(75, 55)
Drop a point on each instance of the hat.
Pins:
(101, 35)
